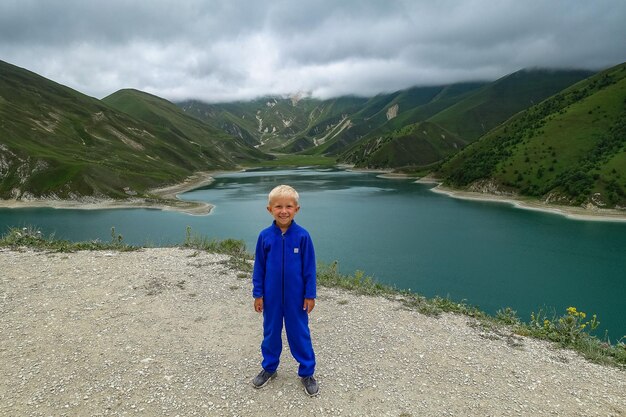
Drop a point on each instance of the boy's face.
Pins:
(283, 210)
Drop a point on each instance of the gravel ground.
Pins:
(172, 332)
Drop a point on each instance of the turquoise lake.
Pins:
(487, 254)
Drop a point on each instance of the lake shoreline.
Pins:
(570, 212)
(165, 198)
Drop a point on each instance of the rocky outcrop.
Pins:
(490, 186)
(392, 111)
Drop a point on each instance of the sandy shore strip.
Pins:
(388, 174)
(575, 213)
(166, 198)
(169, 331)
(395, 176)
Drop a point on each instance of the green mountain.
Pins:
(412, 128)
(273, 123)
(567, 149)
(460, 114)
(495, 102)
(184, 131)
(412, 147)
(322, 127)
(57, 142)
(378, 114)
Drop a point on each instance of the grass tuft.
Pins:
(31, 237)
(574, 331)
(239, 258)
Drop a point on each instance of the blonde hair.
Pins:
(283, 191)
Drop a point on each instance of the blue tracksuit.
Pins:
(284, 275)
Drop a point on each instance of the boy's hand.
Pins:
(258, 305)
(309, 305)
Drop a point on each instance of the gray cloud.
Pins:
(240, 49)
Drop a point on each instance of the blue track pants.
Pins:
(298, 336)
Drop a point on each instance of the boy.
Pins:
(284, 288)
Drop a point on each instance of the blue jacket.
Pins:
(284, 265)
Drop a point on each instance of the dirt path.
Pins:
(172, 332)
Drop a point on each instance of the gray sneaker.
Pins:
(310, 386)
(263, 378)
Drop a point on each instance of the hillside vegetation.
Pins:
(188, 132)
(457, 116)
(415, 145)
(567, 149)
(56, 142)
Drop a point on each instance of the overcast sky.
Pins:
(240, 49)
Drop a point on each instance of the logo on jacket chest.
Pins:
(296, 250)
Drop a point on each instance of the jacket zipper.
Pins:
(283, 268)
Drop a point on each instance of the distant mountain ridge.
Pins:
(372, 132)
(312, 126)
(276, 123)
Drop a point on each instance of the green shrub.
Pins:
(233, 247)
(507, 316)
(32, 237)
(573, 330)
(329, 276)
